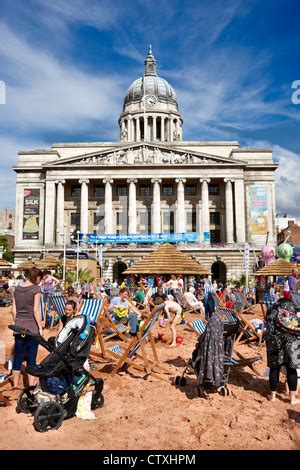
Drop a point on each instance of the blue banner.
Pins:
(146, 238)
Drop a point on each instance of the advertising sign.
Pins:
(259, 209)
(31, 214)
(146, 238)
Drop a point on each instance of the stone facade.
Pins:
(148, 182)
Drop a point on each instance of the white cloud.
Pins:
(43, 93)
(287, 177)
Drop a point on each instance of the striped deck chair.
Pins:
(244, 362)
(132, 353)
(58, 303)
(96, 310)
(5, 378)
(185, 304)
(42, 311)
(241, 305)
(296, 298)
(247, 332)
(197, 326)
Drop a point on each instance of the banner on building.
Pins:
(31, 214)
(259, 209)
(147, 238)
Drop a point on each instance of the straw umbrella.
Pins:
(26, 265)
(279, 267)
(48, 262)
(167, 260)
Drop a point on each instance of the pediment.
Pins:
(145, 154)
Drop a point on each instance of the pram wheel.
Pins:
(98, 403)
(49, 415)
(180, 381)
(26, 401)
(224, 391)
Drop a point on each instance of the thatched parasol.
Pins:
(167, 260)
(48, 262)
(26, 265)
(279, 267)
(4, 264)
(70, 264)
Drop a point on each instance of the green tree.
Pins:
(7, 253)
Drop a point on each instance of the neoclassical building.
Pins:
(216, 195)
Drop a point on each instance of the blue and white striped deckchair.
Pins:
(91, 308)
(133, 352)
(198, 326)
(59, 304)
(42, 309)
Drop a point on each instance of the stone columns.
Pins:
(132, 206)
(60, 210)
(229, 210)
(154, 127)
(84, 213)
(155, 219)
(108, 210)
(146, 130)
(138, 130)
(130, 133)
(171, 129)
(180, 206)
(239, 196)
(162, 129)
(205, 205)
(50, 213)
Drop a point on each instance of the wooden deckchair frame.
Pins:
(3, 400)
(188, 308)
(191, 326)
(130, 350)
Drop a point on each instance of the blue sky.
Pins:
(67, 64)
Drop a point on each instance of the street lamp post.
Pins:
(101, 259)
(77, 253)
(64, 235)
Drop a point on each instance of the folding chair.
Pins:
(190, 308)
(217, 300)
(4, 380)
(266, 301)
(96, 310)
(197, 326)
(133, 353)
(181, 300)
(241, 304)
(296, 298)
(58, 302)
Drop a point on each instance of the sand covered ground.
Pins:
(151, 414)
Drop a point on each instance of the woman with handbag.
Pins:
(283, 345)
(27, 314)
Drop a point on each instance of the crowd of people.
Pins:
(145, 294)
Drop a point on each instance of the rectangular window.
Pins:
(191, 221)
(215, 236)
(145, 222)
(145, 190)
(98, 218)
(98, 191)
(10, 216)
(76, 190)
(75, 218)
(214, 189)
(122, 190)
(168, 190)
(214, 218)
(10, 226)
(191, 190)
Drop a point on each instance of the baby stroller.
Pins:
(212, 357)
(62, 376)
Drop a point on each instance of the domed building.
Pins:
(150, 187)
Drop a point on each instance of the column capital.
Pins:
(60, 181)
(156, 180)
(180, 180)
(84, 180)
(132, 180)
(204, 180)
(108, 180)
(228, 180)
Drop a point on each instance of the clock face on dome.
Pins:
(150, 101)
